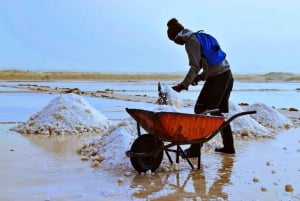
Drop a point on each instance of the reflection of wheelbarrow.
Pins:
(167, 130)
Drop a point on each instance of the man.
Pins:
(216, 89)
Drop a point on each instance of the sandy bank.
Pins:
(15, 75)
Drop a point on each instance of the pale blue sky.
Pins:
(130, 36)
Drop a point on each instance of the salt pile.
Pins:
(172, 97)
(264, 123)
(116, 144)
(246, 125)
(65, 114)
(269, 116)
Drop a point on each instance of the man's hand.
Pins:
(197, 79)
(178, 88)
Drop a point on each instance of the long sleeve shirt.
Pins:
(197, 62)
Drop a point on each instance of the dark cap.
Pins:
(174, 27)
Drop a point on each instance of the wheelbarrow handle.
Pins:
(226, 123)
(240, 114)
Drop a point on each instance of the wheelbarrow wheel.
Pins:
(147, 143)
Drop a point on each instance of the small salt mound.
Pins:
(269, 117)
(246, 125)
(115, 144)
(65, 114)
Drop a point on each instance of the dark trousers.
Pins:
(215, 95)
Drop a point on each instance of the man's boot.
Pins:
(227, 137)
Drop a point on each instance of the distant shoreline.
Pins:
(17, 75)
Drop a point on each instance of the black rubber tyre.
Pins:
(145, 144)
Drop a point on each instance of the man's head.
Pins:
(174, 27)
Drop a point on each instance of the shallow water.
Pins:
(18, 106)
(48, 168)
(37, 167)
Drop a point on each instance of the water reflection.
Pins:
(56, 144)
(183, 184)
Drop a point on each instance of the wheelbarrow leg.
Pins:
(179, 150)
(168, 155)
(199, 160)
(177, 153)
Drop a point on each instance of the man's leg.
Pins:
(226, 133)
(228, 143)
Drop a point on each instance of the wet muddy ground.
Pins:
(35, 167)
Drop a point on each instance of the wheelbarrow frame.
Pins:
(167, 144)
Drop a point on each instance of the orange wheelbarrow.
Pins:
(166, 131)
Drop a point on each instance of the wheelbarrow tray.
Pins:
(175, 126)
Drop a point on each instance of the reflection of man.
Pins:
(150, 186)
(224, 178)
(216, 189)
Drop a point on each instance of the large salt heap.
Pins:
(246, 125)
(65, 114)
(264, 123)
(270, 117)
